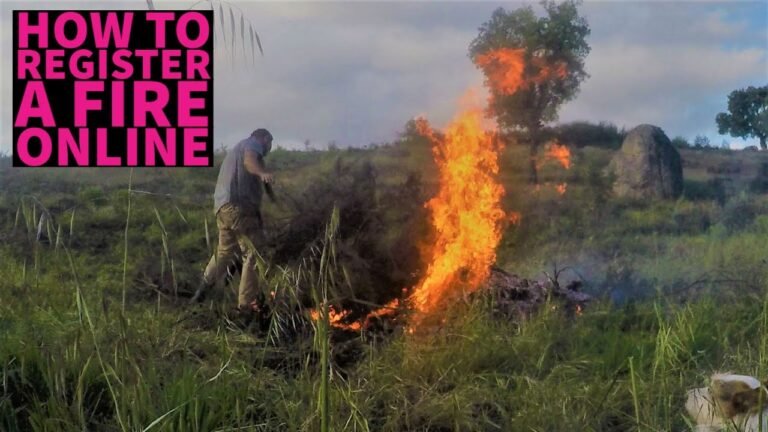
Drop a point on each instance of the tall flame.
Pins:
(466, 213)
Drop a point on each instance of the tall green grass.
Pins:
(609, 369)
(76, 353)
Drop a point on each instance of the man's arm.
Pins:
(254, 164)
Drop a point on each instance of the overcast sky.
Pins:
(354, 73)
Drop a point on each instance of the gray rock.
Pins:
(647, 165)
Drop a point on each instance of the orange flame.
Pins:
(515, 217)
(466, 213)
(505, 70)
(561, 188)
(336, 319)
(387, 309)
(559, 153)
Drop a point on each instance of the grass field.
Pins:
(93, 338)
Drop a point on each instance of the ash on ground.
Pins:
(515, 298)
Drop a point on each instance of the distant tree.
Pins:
(559, 37)
(680, 142)
(701, 141)
(582, 134)
(747, 114)
(307, 145)
(413, 133)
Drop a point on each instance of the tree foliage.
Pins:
(701, 141)
(557, 38)
(680, 142)
(747, 114)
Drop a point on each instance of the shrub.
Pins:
(739, 213)
(582, 134)
(691, 218)
(713, 189)
(726, 167)
(92, 196)
(760, 183)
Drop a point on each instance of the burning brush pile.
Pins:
(466, 219)
(467, 215)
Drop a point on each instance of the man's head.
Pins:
(264, 137)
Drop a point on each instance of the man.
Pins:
(237, 205)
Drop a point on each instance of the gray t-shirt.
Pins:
(235, 184)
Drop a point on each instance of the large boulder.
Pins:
(647, 165)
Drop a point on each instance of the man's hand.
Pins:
(267, 177)
(254, 164)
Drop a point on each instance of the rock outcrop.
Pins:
(647, 166)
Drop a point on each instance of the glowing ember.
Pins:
(561, 188)
(336, 319)
(559, 153)
(385, 310)
(515, 217)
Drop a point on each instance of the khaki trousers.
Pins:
(239, 236)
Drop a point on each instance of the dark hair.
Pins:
(262, 134)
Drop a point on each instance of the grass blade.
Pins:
(162, 417)
(16, 221)
(125, 246)
(71, 227)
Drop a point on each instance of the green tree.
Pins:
(701, 141)
(680, 142)
(557, 38)
(747, 114)
(413, 133)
